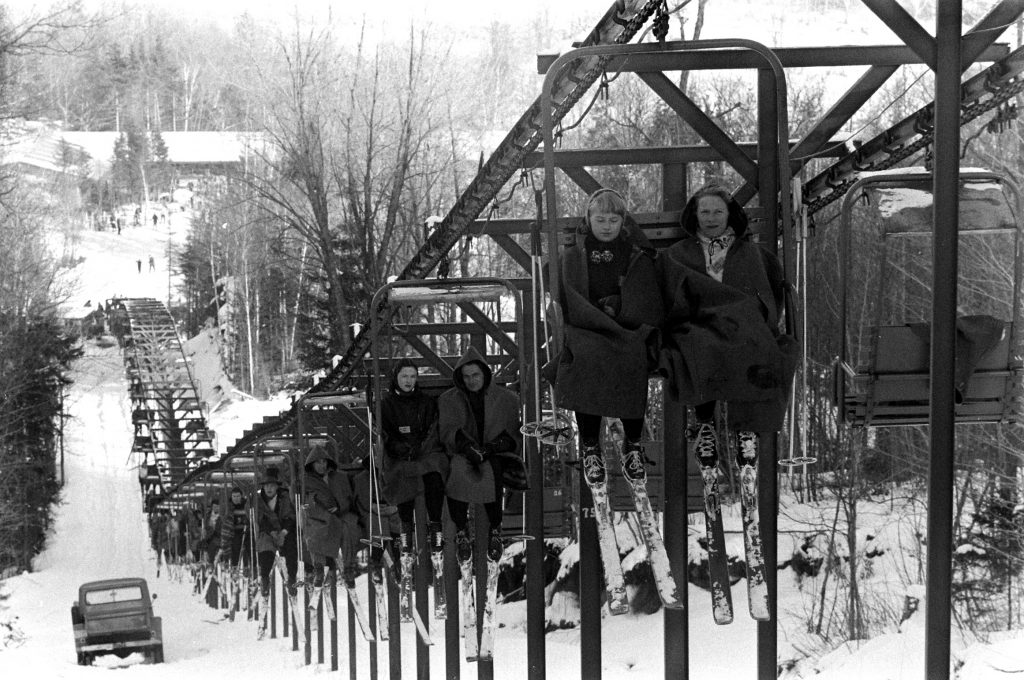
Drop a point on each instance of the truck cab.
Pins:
(115, 616)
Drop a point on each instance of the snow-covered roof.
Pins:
(202, 147)
(34, 144)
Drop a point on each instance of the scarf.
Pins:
(715, 250)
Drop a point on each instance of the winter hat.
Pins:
(270, 476)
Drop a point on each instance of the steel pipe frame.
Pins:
(676, 625)
(798, 57)
(943, 339)
(534, 496)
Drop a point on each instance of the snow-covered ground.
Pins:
(100, 531)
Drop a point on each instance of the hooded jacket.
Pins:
(721, 340)
(458, 428)
(411, 446)
(325, 503)
(604, 364)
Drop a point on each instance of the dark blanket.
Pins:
(717, 346)
(603, 367)
(976, 336)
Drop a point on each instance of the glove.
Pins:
(611, 305)
(500, 444)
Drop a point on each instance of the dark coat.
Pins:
(271, 523)
(377, 515)
(411, 446)
(326, 503)
(603, 367)
(721, 340)
(468, 482)
(235, 525)
(211, 535)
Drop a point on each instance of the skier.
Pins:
(721, 337)
(235, 537)
(721, 343)
(611, 306)
(275, 529)
(612, 310)
(414, 462)
(330, 520)
(210, 542)
(478, 421)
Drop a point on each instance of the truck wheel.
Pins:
(85, 659)
(158, 654)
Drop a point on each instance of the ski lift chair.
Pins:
(882, 376)
(508, 357)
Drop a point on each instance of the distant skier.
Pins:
(138, 265)
(152, 264)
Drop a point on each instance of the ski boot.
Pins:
(407, 561)
(407, 545)
(746, 447)
(348, 575)
(746, 462)
(463, 545)
(634, 463)
(436, 540)
(592, 463)
(495, 546)
(435, 537)
(705, 446)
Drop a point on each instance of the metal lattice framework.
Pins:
(171, 436)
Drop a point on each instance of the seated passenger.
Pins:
(478, 421)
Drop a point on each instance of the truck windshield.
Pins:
(121, 594)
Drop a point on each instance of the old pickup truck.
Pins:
(116, 617)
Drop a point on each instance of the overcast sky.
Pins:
(438, 12)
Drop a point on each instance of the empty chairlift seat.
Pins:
(882, 375)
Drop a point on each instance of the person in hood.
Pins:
(414, 462)
(275, 529)
(478, 422)
(612, 310)
(212, 527)
(235, 532)
(330, 520)
(722, 341)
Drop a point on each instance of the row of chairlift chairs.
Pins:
(881, 375)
